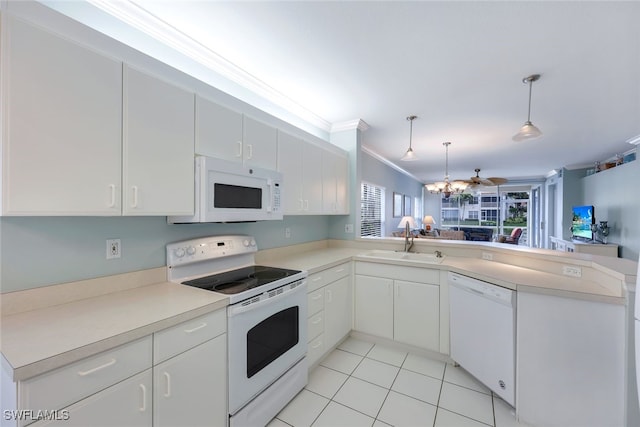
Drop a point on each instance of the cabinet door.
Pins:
(259, 144)
(417, 314)
(373, 307)
(62, 122)
(312, 178)
(158, 145)
(290, 166)
(334, 183)
(191, 388)
(337, 310)
(218, 131)
(127, 403)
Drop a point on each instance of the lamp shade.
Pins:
(428, 221)
(407, 220)
(527, 131)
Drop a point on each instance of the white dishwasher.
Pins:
(483, 332)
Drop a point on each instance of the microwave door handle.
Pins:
(270, 185)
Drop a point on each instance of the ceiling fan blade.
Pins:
(497, 181)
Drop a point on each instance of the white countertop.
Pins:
(103, 313)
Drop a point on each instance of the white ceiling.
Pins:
(457, 65)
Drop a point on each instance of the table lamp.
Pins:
(428, 221)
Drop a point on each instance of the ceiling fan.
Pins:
(476, 181)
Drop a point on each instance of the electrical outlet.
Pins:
(487, 256)
(113, 248)
(348, 228)
(287, 233)
(572, 271)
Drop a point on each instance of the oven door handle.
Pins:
(239, 308)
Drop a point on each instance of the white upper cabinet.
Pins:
(335, 175)
(301, 168)
(61, 123)
(227, 134)
(158, 146)
(218, 131)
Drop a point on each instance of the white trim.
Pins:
(635, 140)
(389, 163)
(350, 125)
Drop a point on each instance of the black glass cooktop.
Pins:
(242, 279)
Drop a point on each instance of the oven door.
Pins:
(266, 338)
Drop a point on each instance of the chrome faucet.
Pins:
(407, 245)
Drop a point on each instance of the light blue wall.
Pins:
(39, 251)
(615, 196)
(376, 172)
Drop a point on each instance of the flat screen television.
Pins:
(583, 218)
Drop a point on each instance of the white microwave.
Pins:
(230, 192)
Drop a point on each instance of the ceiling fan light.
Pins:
(431, 187)
(527, 131)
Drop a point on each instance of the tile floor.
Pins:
(362, 384)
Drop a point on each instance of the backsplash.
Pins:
(40, 251)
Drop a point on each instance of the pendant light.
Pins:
(528, 130)
(410, 155)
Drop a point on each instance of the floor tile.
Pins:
(418, 386)
(400, 410)
(504, 413)
(457, 375)
(338, 415)
(446, 418)
(379, 423)
(379, 373)
(342, 361)
(325, 382)
(303, 409)
(424, 365)
(354, 345)
(467, 402)
(361, 396)
(387, 355)
(277, 423)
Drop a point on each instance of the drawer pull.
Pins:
(318, 320)
(316, 279)
(318, 344)
(340, 270)
(97, 368)
(188, 331)
(167, 377)
(316, 297)
(143, 394)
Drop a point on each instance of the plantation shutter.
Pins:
(371, 210)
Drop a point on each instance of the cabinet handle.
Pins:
(188, 331)
(143, 394)
(318, 344)
(340, 270)
(250, 147)
(316, 297)
(239, 151)
(318, 320)
(329, 296)
(167, 378)
(306, 205)
(112, 191)
(97, 368)
(134, 192)
(315, 279)
(301, 204)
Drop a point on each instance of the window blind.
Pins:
(371, 213)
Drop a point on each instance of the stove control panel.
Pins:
(209, 248)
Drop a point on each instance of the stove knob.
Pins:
(179, 252)
(245, 242)
(253, 242)
(191, 250)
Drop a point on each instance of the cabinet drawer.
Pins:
(315, 350)
(315, 301)
(324, 277)
(62, 387)
(315, 325)
(186, 335)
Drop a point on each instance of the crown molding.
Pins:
(635, 140)
(350, 125)
(389, 163)
(138, 18)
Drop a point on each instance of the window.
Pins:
(371, 210)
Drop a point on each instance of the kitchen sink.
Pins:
(427, 258)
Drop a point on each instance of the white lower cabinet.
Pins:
(398, 303)
(329, 310)
(128, 403)
(190, 389)
(177, 377)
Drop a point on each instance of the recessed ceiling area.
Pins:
(457, 66)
